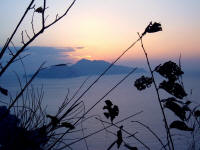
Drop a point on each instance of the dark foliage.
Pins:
(15, 137)
(169, 70)
(173, 88)
(54, 120)
(152, 28)
(4, 91)
(197, 113)
(119, 137)
(172, 99)
(178, 110)
(67, 125)
(130, 147)
(39, 10)
(180, 125)
(113, 110)
(143, 83)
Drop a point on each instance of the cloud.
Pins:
(40, 54)
(81, 57)
(80, 47)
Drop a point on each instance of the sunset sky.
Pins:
(102, 29)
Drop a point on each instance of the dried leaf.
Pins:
(130, 147)
(143, 83)
(39, 10)
(178, 110)
(54, 120)
(173, 88)
(67, 125)
(113, 111)
(119, 137)
(108, 104)
(197, 113)
(169, 70)
(151, 28)
(107, 115)
(180, 125)
(4, 91)
(171, 99)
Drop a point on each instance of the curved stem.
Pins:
(158, 95)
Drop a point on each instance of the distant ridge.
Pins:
(83, 67)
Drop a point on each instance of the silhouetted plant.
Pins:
(28, 127)
(174, 86)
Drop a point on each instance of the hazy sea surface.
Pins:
(126, 96)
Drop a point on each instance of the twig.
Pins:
(22, 91)
(132, 135)
(157, 93)
(148, 128)
(95, 105)
(104, 128)
(33, 38)
(8, 42)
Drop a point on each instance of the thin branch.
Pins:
(95, 105)
(22, 91)
(22, 35)
(132, 135)
(62, 15)
(148, 128)
(32, 22)
(103, 129)
(8, 42)
(32, 39)
(27, 35)
(157, 93)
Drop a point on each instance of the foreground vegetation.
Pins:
(25, 125)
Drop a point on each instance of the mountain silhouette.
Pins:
(83, 67)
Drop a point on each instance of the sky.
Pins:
(102, 29)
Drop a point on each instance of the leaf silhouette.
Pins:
(188, 102)
(67, 125)
(180, 125)
(173, 88)
(178, 110)
(171, 99)
(186, 108)
(107, 115)
(197, 113)
(143, 83)
(54, 120)
(169, 70)
(4, 91)
(130, 147)
(39, 10)
(108, 104)
(151, 28)
(113, 111)
(119, 137)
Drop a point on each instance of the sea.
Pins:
(142, 107)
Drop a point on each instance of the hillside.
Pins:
(83, 67)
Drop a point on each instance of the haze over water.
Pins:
(126, 96)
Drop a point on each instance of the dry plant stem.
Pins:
(148, 128)
(158, 96)
(125, 51)
(75, 102)
(132, 135)
(106, 127)
(34, 36)
(21, 92)
(27, 84)
(9, 40)
(102, 74)
(94, 106)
